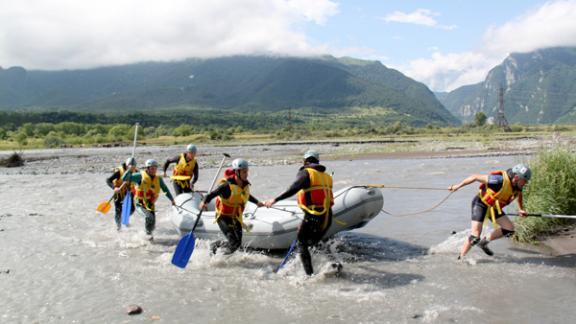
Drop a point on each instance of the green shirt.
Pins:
(137, 179)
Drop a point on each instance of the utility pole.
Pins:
(500, 116)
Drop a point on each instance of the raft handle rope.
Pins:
(381, 186)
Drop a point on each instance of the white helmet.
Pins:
(151, 163)
(191, 148)
(522, 171)
(131, 161)
(312, 154)
(238, 164)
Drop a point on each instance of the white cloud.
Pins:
(552, 24)
(422, 17)
(76, 34)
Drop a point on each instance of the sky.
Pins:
(444, 44)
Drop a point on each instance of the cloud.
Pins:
(61, 34)
(551, 24)
(422, 17)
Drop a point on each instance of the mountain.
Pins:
(239, 83)
(539, 87)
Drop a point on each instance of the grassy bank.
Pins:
(552, 190)
(43, 130)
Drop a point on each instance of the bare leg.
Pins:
(476, 230)
(504, 223)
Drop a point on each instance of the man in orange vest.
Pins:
(148, 186)
(115, 182)
(315, 198)
(231, 197)
(497, 189)
(185, 173)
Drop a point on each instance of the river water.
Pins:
(61, 262)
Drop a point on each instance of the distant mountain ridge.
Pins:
(239, 83)
(539, 87)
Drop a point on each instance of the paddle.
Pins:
(104, 206)
(546, 215)
(186, 244)
(292, 246)
(127, 203)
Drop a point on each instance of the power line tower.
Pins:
(500, 119)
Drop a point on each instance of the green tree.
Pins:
(480, 119)
(121, 132)
(183, 130)
(52, 139)
(21, 138)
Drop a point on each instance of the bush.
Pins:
(552, 190)
(53, 140)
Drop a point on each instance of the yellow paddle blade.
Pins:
(181, 178)
(104, 207)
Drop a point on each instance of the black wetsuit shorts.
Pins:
(479, 210)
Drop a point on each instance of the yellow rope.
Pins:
(422, 211)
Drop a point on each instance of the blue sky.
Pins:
(444, 44)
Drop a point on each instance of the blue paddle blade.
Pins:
(287, 256)
(126, 208)
(184, 250)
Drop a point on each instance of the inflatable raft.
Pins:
(276, 227)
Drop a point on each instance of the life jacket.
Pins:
(496, 200)
(234, 205)
(148, 190)
(118, 181)
(183, 167)
(318, 198)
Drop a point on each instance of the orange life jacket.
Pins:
(234, 205)
(148, 191)
(317, 199)
(496, 200)
(118, 181)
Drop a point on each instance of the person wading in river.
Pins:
(115, 182)
(315, 198)
(185, 173)
(231, 197)
(148, 187)
(497, 189)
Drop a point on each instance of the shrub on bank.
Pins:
(552, 190)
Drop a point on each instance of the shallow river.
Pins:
(61, 262)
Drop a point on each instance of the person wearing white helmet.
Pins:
(231, 195)
(185, 173)
(497, 189)
(148, 186)
(314, 188)
(115, 182)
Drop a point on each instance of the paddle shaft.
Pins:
(546, 215)
(135, 137)
(209, 190)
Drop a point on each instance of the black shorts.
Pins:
(479, 210)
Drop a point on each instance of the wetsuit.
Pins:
(182, 186)
(479, 208)
(313, 227)
(231, 227)
(147, 209)
(118, 198)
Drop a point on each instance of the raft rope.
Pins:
(427, 210)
